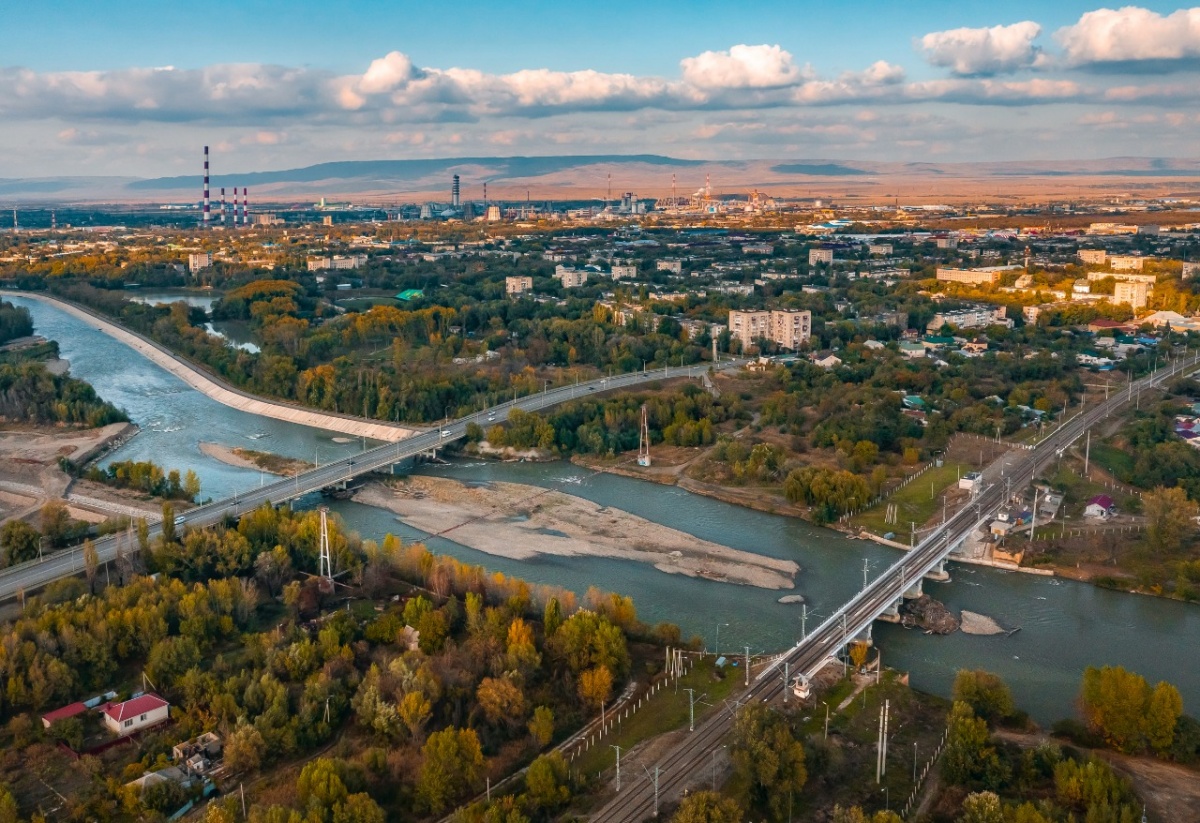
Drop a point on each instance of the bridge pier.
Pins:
(938, 573)
(892, 613)
(914, 591)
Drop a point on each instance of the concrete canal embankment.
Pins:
(225, 394)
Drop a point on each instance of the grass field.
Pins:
(666, 711)
(914, 502)
(1117, 462)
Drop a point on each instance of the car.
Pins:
(492, 416)
(179, 520)
(445, 433)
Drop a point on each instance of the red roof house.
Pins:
(136, 714)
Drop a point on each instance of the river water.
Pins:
(1065, 626)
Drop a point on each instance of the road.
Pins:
(36, 573)
(689, 761)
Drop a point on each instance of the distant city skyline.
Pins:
(133, 88)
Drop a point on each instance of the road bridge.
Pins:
(689, 761)
(36, 573)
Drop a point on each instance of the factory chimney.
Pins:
(222, 207)
(206, 187)
(454, 203)
(245, 209)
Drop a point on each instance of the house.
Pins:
(912, 350)
(874, 345)
(52, 717)
(1101, 506)
(136, 714)
(826, 359)
(968, 481)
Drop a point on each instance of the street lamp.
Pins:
(717, 642)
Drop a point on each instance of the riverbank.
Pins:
(522, 522)
(256, 460)
(222, 392)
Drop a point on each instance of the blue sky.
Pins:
(132, 87)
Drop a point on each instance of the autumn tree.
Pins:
(501, 700)
(1170, 518)
(858, 654)
(982, 807)
(191, 485)
(91, 563)
(546, 785)
(707, 807)
(414, 711)
(453, 763)
(20, 541)
(541, 726)
(969, 757)
(244, 748)
(595, 686)
(1121, 706)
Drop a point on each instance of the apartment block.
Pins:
(517, 285)
(819, 256)
(988, 276)
(1132, 292)
(882, 249)
(979, 317)
(624, 271)
(673, 266)
(1093, 257)
(787, 328)
(196, 262)
(569, 276)
(1126, 262)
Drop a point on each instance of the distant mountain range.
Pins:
(650, 176)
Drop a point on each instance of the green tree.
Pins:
(1121, 706)
(453, 763)
(191, 485)
(1163, 710)
(320, 786)
(244, 748)
(20, 541)
(1170, 518)
(707, 807)
(56, 522)
(768, 757)
(546, 782)
(9, 813)
(541, 726)
(968, 756)
(986, 694)
(358, 808)
(168, 523)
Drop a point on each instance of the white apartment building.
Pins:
(673, 266)
(758, 248)
(1134, 293)
(1093, 257)
(569, 276)
(517, 285)
(787, 328)
(196, 262)
(986, 276)
(337, 262)
(979, 317)
(1126, 262)
(624, 271)
(819, 256)
(882, 249)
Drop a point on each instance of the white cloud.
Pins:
(742, 67)
(992, 50)
(1131, 34)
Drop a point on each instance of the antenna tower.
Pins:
(644, 440)
(326, 561)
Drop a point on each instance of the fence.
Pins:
(924, 773)
(875, 501)
(1065, 533)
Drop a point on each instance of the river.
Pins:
(1065, 626)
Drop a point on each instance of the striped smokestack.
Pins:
(206, 187)
(222, 207)
(245, 209)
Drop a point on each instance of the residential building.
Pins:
(787, 328)
(1132, 293)
(947, 242)
(1132, 277)
(673, 266)
(624, 271)
(196, 262)
(136, 714)
(1101, 506)
(1126, 262)
(979, 317)
(818, 256)
(882, 249)
(1093, 257)
(758, 248)
(825, 360)
(517, 285)
(337, 262)
(986, 276)
(569, 276)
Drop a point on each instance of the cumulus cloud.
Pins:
(742, 67)
(994, 50)
(1131, 34)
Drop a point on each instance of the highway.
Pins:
(690, 760)
(36, 573)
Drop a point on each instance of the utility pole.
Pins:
(826, 719)
(618, 748)
(654, 779)
(803, 621)
(691, 709)
(747, 665)
(1087, 454)
(867, 566)
(785, 682)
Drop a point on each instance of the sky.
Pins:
(134, 88)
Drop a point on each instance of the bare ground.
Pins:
(522, 522)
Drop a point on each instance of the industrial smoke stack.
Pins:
(454, 193)
(245, 209)
(222, 207)
(206, 187)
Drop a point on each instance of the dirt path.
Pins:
(522, 522)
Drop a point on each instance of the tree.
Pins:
(546, 782)
(768, 756)
(20, 541)
(982, 807)
(541, 726)
(707, 807)
(56, 521)
(9, 813)
(414, 710)
(320, 786)
(358, 808)
(191, 485)
(552, 617)
(453, 763)
(1170, 518)
(244, 748)
(858, 654)
(986, 694)
(968, 756)
(168, 523)
(501, 700)
(1163, 710)
(1121, 706)
(595, 686)
(91, 563)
